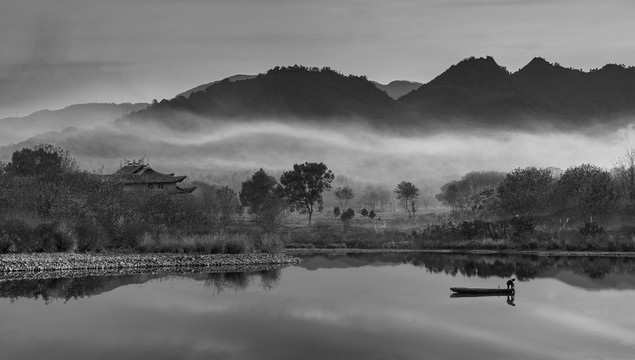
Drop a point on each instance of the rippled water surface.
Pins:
(374, 306)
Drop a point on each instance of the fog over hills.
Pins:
(474, 116)
(17, 129)
(476, 93)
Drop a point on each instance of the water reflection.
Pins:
(510, 298)
(65, 289)
(339, 307)
(587, 272)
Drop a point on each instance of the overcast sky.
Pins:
(59, 52)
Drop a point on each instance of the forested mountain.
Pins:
(239, 77)
(482, 93)
(476, 92)
(283, 92)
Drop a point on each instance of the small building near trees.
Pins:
(137, 175)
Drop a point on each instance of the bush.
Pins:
(591, 228)
(55, 237)
(270, 244)
(17, 236)
(89, 236)
(347, 215)
(236, 245)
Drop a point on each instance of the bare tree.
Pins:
(625, 175)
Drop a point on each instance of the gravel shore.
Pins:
(10, 263)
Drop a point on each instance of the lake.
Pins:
(363, 306)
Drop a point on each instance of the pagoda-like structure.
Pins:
(138, 175)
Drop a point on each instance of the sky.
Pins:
(61, 52)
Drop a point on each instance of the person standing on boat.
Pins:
(510, 284)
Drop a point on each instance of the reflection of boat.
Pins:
(481, 291)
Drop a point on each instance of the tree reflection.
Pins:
(65, 289)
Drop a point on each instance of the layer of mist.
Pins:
(214, 148)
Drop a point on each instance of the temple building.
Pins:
(137, 175)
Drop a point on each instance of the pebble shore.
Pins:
(34, 263)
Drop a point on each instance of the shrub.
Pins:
(55, 237)
(270, 244)
(591, 228)
(89, 236)
(236, 245)
(17, 236)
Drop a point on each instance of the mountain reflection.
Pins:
(588, 272)
(65, 289)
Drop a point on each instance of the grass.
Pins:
(199, 244)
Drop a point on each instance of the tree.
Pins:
(459, 193)
(304, 185)
(42, 170)
(625, 175)
(344, 195)
(426, 196)
(526, 192)
(364, 212)
(407, 193)
(256, 191)
(227, 206)
(264, 198)
(586, 190)
(337, 211)
(44, 161)
(347, 215)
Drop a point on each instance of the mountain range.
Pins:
(476, 92)
(15, 129)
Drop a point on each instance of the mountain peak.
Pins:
(473, 72)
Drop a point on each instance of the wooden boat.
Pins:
(473, 295)
(482, 291)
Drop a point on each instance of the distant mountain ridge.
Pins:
(485, 93)
(283, 92)
(233, 78)
(398, 88)
(13, 129)
(476, 92)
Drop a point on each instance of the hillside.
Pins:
(476, 93)
(398, 88)
(281, 93)
(15, 129)
(187, 93)
(480, 93)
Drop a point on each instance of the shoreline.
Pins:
(116, 263)
(52, 265)
(622, 254)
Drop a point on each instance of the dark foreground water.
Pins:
(332, 307)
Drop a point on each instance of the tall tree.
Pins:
(344, 195)
(407, 193)
(526, 192)
(586, 190)
(263, 196)
(304, 185)
(625, 175)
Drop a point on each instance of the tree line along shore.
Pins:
(48, 204)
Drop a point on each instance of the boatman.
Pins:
(510, 284)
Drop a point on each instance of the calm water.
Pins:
(335, 307)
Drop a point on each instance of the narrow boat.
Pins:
(482, 291)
